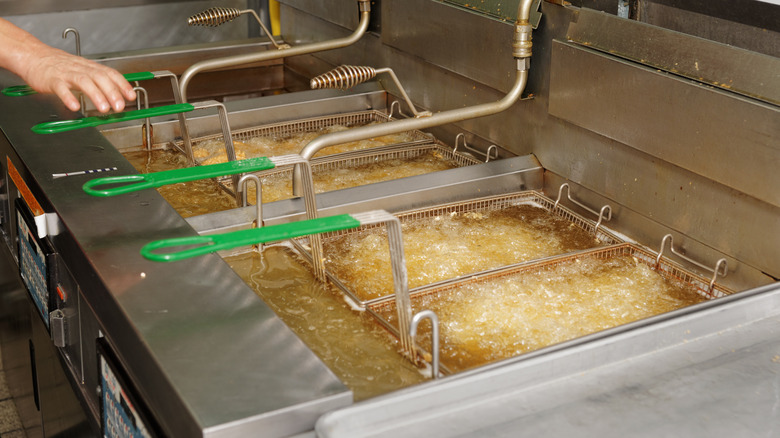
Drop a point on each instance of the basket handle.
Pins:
(26, 90)
(201, 245)
(58, 126)
(134, 183)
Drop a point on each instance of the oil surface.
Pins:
(449, 246)
(213, 151)
(191, 198)
(206, 196)
(279, 185)
(485, 321)
(351, 343)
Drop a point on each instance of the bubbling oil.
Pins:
(213, 151)
(191, 198)
(362, 354)
(481, 322)
(206, 196)
(278, 186)
(448, 246)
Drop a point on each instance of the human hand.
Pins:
(55, 71)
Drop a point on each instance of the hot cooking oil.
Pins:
(363, 355)
(213, 151)
(485, 321)
(451, 245)
(278, 186)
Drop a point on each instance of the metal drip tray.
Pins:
(514, 310)
(290, 137)
(454, 240)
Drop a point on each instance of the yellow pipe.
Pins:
(273, 12)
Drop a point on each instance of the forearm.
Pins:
(50, 70)
(17, 47)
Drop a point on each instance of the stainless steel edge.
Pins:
(478, 180)
(673, 374)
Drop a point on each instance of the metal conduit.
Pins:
(521, 50)
(230, 61)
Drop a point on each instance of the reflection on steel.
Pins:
(721, 266)
(243, 186)
(521, 50)
(147, 134)
(78, 53)
(347, 76)
(213, 64)
(78, 38)
(403, 302)
(185, 133)
(214, 17)
(600, 214)
(430, 314)
(490, 153)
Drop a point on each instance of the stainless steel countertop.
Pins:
(205, 352)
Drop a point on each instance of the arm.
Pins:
(50, 70)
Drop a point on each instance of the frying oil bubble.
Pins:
(486, 321)
(451, 245)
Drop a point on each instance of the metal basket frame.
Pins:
(304, 125)
(481, 204)
(666, 268)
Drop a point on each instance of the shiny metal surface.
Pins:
(166, 324)
(716, 64)
(111, 27)
(669, 375)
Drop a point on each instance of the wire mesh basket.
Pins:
(574, 231)
(618, 278)
(284, 130)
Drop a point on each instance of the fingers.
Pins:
(59, 73)
(106, 88)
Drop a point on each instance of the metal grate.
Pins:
(372, 156)
(666, 268)
(483, 204)
(497, 203)
(305, 125)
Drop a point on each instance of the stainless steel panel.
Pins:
(111, 29)
(715, 134)
(341, 12)
(753, 26)
(680, 373)
(720, 65)
(482, 43)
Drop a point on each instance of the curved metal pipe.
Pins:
(521, 50)
(213, 64)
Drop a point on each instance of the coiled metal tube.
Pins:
(213, 17)
(213, 64)
(343, 77)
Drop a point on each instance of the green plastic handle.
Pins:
(157, 179)
(219, 242)
(58, 126)
(26, 90)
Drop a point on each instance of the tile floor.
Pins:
(10, 424)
